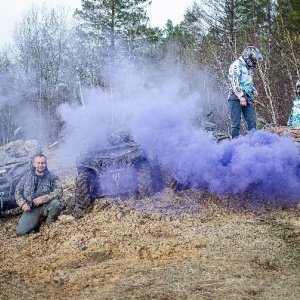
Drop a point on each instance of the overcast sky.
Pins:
(159, 12)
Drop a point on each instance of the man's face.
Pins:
(40, 164)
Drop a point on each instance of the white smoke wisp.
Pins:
(127, 108)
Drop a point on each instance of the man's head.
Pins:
(40, 164)
(298, 87)
(252, 56)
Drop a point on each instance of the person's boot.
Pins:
(54, 211)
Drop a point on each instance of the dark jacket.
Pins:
(30, 187)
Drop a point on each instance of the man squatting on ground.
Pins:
(38, 194)
(242, 92)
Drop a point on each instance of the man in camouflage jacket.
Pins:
(242, 92)
(294, 119)
(38, 194)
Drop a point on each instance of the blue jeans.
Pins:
(236, 113)
(30, 219)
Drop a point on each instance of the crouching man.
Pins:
(38, 194)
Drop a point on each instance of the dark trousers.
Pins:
(30, 219)
(236, 113)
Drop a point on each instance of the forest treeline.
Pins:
(54, 56)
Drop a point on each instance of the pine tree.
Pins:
(113, 21)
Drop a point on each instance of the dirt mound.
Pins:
(185, 245)
(284, 130)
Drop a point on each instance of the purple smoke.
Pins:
(161, 121)
(261, 162)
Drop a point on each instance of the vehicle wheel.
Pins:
(168, 180)
(82, 191)
(144, 180)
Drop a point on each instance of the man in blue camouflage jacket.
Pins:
(38, 194)
(242, 92)
(294, 119)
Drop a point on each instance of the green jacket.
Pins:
(48, 188)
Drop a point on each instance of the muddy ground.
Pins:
(184, 245)
(174, 245)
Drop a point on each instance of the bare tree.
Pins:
(42, 50)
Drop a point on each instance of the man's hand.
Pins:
(243, 101)
(37, 201)
(255, 93)
(25, 207)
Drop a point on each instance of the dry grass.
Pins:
(186, 245)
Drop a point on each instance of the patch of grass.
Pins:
(286, 233)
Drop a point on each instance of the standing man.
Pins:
(38, 194)
(294, 119)
(242, 91)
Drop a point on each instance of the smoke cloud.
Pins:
(162, 120)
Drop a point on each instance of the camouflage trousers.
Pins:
(30, 219)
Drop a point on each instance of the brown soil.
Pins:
(285, 130)
(185, 245)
